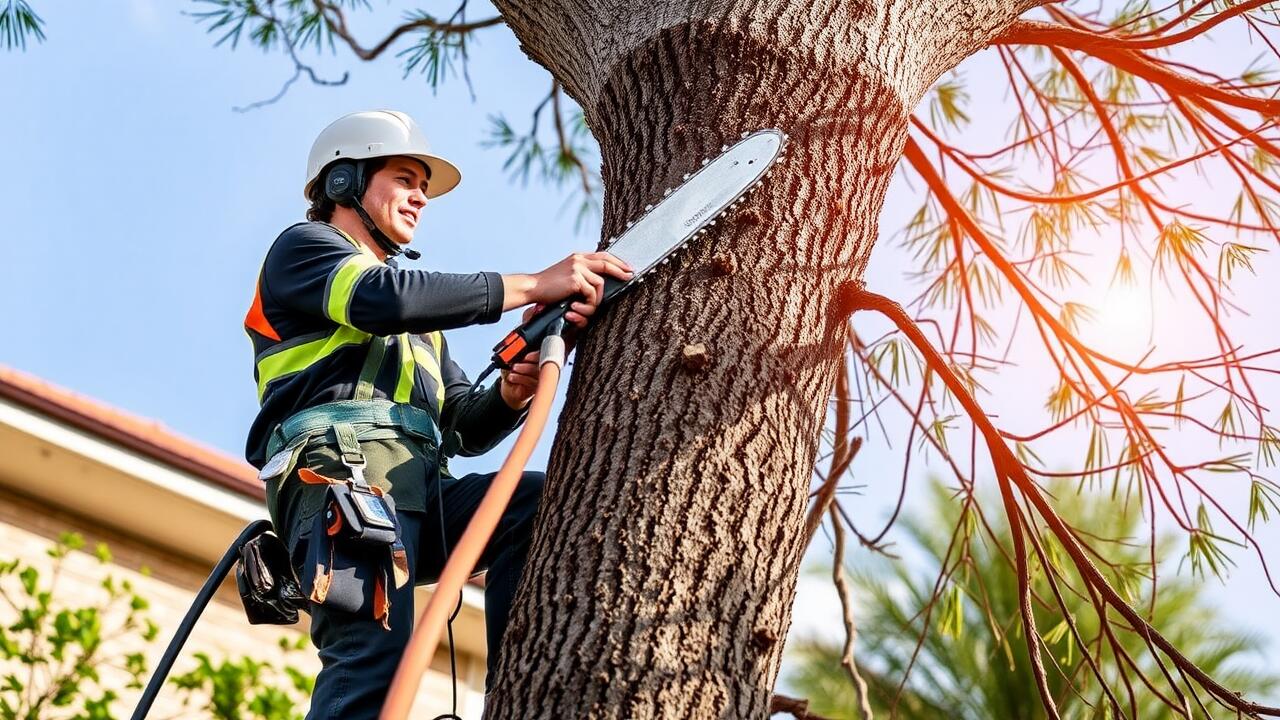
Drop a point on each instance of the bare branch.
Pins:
(337, 21)
(1032, 32)
(840, 458)
(299, 68)
(847, 660)
(1010, 474)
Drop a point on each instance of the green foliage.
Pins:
(246, 689)
(560, 159)
(894, 359)
(52, 652)
(435, 54)
(1205, 548)
(301, 24)
(437, 49)
(18, 22)
(972, 663)
(946, 104)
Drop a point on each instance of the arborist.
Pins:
(358, 394)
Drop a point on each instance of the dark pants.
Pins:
(359, 656)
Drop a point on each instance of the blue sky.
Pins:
(142, 204)
(137, 207)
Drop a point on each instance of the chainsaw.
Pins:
(664, 229)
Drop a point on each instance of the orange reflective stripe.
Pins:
(256, 320)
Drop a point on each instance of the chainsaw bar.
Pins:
(683, 213)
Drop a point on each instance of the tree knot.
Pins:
(695, 358)
(763, 638)
(724, 264)
(750, 217)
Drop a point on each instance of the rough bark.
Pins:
(664, 562)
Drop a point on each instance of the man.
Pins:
(356, 384)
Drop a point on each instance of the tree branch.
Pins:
(796, 707)
(298, 69)
(1122, 42)
(1032, 32)
(566, 149)
(841, 457)
(847, 660)
(337, 21)
(1009, 473)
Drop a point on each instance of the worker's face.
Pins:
(396, 197)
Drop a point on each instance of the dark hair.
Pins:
(321, 206)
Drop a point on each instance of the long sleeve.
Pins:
(314, 269)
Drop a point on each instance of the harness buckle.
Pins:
(350, 453)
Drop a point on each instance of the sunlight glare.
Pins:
(1122, 323)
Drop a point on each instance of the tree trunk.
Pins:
(665, 557)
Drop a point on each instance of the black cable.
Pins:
(207, 590)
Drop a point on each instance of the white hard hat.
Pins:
(378, 133)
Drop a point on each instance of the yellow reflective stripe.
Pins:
(431, 364)
(404, 385)
(300, 357)
(343, 285)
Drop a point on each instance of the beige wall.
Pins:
(30, 523)
(27, 531)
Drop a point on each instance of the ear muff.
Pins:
(344, 182)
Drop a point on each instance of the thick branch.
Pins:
(1031, 32)
(1120, 42)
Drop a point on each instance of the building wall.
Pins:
(30, 527)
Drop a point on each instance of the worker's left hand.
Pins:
(519, 383)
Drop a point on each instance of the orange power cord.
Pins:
(463, 559)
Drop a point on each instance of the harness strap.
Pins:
(378, 413)
(349, 450)
(369, 371)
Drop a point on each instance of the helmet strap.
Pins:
(350, 193)
(388, 246)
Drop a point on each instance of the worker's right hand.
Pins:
(579, 274)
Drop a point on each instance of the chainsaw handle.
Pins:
(530, 334)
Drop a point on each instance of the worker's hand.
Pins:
(578, 315)
(519, 383)
(579, 274)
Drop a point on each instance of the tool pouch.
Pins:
(268, 586)
(356, 512)
(352, 557)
